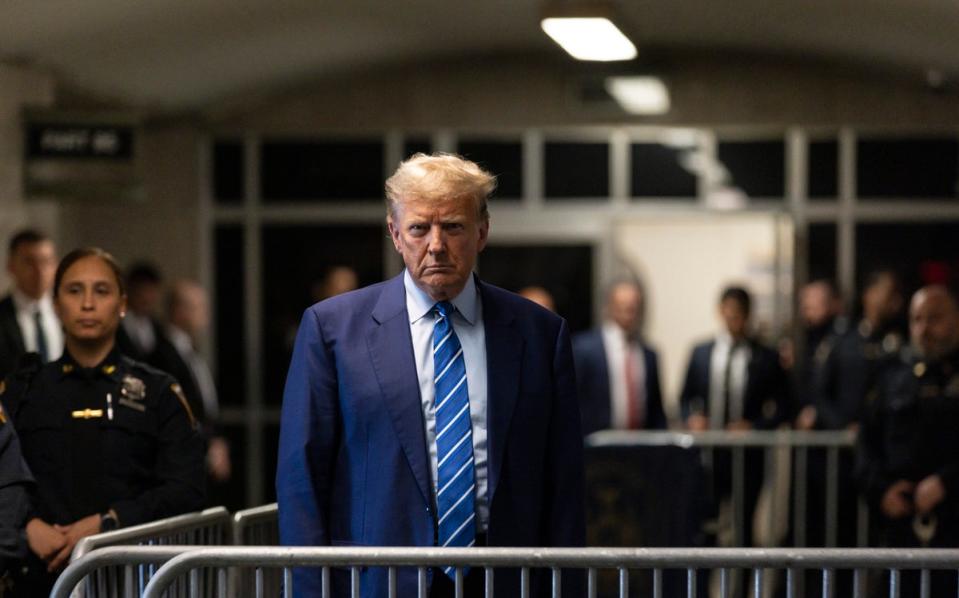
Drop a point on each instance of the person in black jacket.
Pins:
(734, 383)
(908, 446)
(27, 320)
(112, 442)
(15, 483)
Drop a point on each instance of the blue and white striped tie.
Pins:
(454, 437)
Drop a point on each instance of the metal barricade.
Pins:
(257, 526)
(210, 527)
(828, 446)
(556, 562)
(134, 565)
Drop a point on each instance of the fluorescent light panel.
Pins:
(639, 95)
(589, 38)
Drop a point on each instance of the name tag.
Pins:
(87, 413)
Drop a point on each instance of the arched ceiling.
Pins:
(185, 54)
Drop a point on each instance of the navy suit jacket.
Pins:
(764, 401)
(11, 340)
(353, 466)
(592, 380)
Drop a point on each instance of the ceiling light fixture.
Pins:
(639, 95)
(587, 32)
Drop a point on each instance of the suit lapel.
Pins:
(8, 321)
(504, 355)
(391, 351)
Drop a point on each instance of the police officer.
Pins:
(847, 362)
(111, 442)
(15, 481)
(909, 450)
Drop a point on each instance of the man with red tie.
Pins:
(617, 374)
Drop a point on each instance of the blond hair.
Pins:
(437, 177)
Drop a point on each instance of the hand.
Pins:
(740, 425)
(218, 459)
(806, 418)
(73, 533)
(44, 540)
(697, 422)
(896, 502)
(930, 491)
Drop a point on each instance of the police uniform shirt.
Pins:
(912, 431)
(15, 479)
(117, 436)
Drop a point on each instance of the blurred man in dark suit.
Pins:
(28, 323)
(617, 374)
(140, 330)
(734, 383)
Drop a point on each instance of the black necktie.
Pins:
(41, 338)
(727, 386)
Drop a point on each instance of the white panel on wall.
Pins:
(684, 262)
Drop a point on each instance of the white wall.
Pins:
(686, 260)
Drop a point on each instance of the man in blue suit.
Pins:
(431, 409)
(618, 375)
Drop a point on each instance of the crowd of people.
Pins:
(113, 413)
(900, 393)
(114, 410)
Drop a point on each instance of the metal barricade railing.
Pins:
(789, 563)
(258, 526)
(210, 527)
(134, 564)
(826, 446)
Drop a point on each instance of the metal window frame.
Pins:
(533, 220)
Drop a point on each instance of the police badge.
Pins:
(132, 393)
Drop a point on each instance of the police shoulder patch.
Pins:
(178, 391)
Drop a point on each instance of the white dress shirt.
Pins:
(26, 309)
(140, 330)
(468, 324)
(616, 346)
(183, 344)
(737, 380)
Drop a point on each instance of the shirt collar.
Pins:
(179, 338)
(109, 367)
(419, 304)
(22, 303)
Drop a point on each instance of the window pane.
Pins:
(577, 170)
(228, 179)
(230, 338)
(923, 253)
(502, 158)
(416, 145)
(822, 251)
(296, 259)
(321, 170)
(566, 271)
(823, 179)
(657, 171)
(907, 168)
(756, 167)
